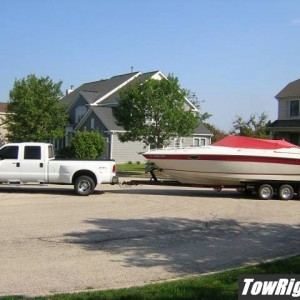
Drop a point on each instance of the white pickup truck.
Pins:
(35, 162)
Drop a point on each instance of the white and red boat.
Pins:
(233, 161)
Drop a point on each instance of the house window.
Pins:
(199, 142)
(79, 113)
(294, 108)
(92, 123)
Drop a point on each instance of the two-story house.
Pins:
(91, 107)
(287, 126)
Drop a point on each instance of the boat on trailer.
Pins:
(268, 166)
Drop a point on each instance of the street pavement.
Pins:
(52, 241)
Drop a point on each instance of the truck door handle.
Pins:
(41, 165)
(18, 165)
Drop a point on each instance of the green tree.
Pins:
(87, 145)
(34, 112)
(154, 112)
(255, 126)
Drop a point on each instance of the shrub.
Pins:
(87, 145)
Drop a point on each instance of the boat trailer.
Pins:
(154, 181)
(265, 190)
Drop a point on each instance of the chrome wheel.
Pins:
(265, 192)
(286, 192)
(84, 185)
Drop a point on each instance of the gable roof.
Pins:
(114, 98)
(97, 89)
(201, 129)
(290, 91)
(105, 114)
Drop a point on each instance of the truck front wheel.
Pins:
(84, 185)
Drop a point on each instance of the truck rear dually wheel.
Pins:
(84, 185)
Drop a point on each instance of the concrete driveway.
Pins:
(52, 241)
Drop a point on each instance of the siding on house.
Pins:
(283, 109)
(129, 151)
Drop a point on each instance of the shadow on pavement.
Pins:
(27, 189)
(186, 246)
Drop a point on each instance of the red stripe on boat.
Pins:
(228, 158)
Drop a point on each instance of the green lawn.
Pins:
(131, 167)
(217, 286)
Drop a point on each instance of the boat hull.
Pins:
(217, 166)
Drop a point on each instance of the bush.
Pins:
(87, 145)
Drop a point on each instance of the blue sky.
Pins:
(236, 55)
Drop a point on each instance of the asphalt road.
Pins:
(52, 241)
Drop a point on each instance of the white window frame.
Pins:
(199, 142)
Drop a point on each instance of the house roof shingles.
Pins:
(290, 91)
(98, 88)
(115, 97)
(105, 114)
(285, 124)
(201, 129)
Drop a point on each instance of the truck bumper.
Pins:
(115, 180)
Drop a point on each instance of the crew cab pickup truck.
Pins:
(36, 162)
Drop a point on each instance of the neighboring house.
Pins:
(3, 131)
(91, 107)
(287, 126)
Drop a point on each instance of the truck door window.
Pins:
(32, 152)
(9, 152)
(50, 152)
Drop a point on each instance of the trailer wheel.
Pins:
(265, 192)
(286, 192)
(84, 185)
